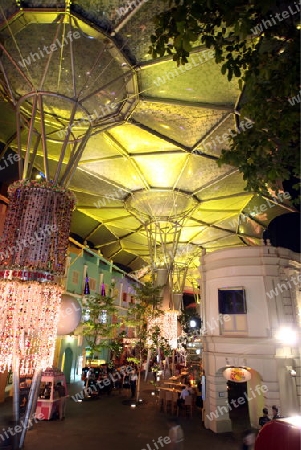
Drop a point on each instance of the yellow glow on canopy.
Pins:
(161, 170)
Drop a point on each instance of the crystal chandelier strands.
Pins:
(32, 261)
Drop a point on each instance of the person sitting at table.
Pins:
(185, 392)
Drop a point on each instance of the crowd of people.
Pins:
(103, 379)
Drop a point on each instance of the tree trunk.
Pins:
(139, 377)
(149, 354)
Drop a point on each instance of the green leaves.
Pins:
(267, 69)
(140, 316)
(97, 321)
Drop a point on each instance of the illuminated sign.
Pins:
(237, 374)
(27, 275)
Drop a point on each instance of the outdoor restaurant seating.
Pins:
(169, 393)
(168, 402)
(188, 405)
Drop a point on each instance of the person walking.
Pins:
(248, 440)
(62, 403)
(184, 393)
(133, 383)
(176, 435)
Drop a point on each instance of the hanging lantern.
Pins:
(177, 299)
(170, 327)
(32, 262)
(179, 329)
(29, 316)
(168, 324)
(69, 315)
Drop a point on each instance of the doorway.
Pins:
(68, 359)
(238, 406)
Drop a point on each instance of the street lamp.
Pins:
(287, 336)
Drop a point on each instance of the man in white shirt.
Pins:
(185, 392)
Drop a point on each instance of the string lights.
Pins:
(168, 325)
(29, 317)
(32, 261)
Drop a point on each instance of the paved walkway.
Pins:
(110, 424)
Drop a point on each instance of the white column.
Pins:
(100, 282)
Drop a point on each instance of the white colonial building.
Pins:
(252, 317)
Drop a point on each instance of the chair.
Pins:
(175, 396)
(168, 402)
(188, 405)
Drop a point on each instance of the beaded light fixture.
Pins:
(32, 262)
(167, 323)
(59, 101)
(82, 87)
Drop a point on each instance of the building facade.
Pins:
(252, 307)
(104, 278)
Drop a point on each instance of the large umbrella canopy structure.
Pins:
(124, 131)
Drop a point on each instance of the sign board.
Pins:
(237, 374)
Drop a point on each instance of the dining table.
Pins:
(170, 389)
(174, 384)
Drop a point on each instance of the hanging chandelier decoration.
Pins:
(168, 325)
(29, 312)
(83, 87)
(32, 261)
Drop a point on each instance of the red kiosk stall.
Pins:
(48, 399)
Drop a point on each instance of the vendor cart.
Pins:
(48, 398)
